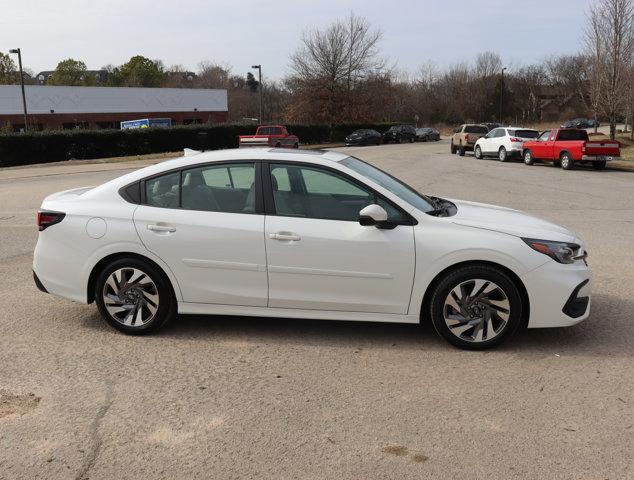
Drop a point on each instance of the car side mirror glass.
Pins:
(372, 215)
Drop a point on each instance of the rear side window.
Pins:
(221, 188)
(476, 129)
(524, 133)
(163, 191)
(573, 135)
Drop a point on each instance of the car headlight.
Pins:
(561, 252)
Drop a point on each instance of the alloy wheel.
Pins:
(476, 310)
(131, 297)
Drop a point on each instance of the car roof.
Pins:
(193, 158)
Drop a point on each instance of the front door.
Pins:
(321, 258)
(543, 146)
(203, 223)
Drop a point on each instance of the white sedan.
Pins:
(305, 234)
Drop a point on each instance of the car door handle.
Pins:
(161, 228)
(285, 237)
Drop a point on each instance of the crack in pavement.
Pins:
(93, 452)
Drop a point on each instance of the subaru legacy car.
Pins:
(305, 234)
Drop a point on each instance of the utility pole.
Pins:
(259, 67)
(19, 53)
(502, 94)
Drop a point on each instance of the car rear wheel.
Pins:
(453, 148)
(502, 156)
(134, 296)
(461, 151)
(599, 165)
(476, 307)
(478, 152)
(528, 158)
(566, 161)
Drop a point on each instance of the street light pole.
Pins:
(259, 67)
(502, 93)
(19, 53)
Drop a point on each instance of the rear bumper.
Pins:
(598, 158)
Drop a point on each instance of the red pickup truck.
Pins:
(567, 146)
(269, 136)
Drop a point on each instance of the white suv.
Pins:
(504, 142)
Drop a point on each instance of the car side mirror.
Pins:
(372, 215)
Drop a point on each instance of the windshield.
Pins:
(476, 129)
(398, 188)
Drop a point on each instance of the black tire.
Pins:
(477, 153)
(278, 145)
(502, 155)
(412, 139)
(599, 165)
(461, 151)
(166, 300)
(296, 146)
(566, 161)
(528, 158)
(463, 275)
(453, 148)
(399, 140)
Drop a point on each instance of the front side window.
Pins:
(163, 191)
(220, 188)
(544, 136)
(398, 188)
(302, 191)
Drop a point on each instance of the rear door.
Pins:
(320, 257)
(206, 224)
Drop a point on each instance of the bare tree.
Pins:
(595, 53)
(611, 33)
(331, 62)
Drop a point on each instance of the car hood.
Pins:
(509, 221)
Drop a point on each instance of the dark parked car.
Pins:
(400, 134)
(579, 123)
(363, 137)
(427, 135)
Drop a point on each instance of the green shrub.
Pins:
(54, 146)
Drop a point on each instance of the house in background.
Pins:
(57, 107)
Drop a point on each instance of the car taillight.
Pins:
(45, 219)
(514, 139)
(583, 149)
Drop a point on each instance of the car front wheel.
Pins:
(453, 148)
(478, 152)
(476, 307)
(134, 296)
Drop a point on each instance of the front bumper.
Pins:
(559, 295)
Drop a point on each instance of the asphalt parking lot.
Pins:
(226, 397)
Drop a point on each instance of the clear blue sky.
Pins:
(241, 32)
